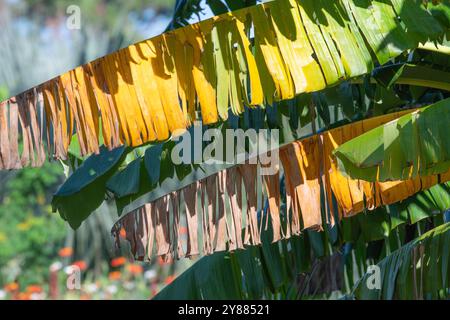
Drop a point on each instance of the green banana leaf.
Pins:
(85, 189)
(418, 270)
(414, 75)
(415, 144)
(425, 204)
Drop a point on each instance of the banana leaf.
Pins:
(84, 191)
(413, 145)
(418, 270)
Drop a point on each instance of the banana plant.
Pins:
(303, 67)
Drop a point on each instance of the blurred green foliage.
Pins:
(3, 93)
(30, 234)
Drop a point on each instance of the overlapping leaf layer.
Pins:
(215, 209)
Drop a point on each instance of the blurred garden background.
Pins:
(37, 249)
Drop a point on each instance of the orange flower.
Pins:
(34, 289)
(117, 262)
(163, 262)
(11, 287)
(115, 275)
(122, 233)
(80, 264)
(169, 279)
(135, 269)
(24, 296)
(65, 252)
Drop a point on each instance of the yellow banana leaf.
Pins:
(261, 54)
